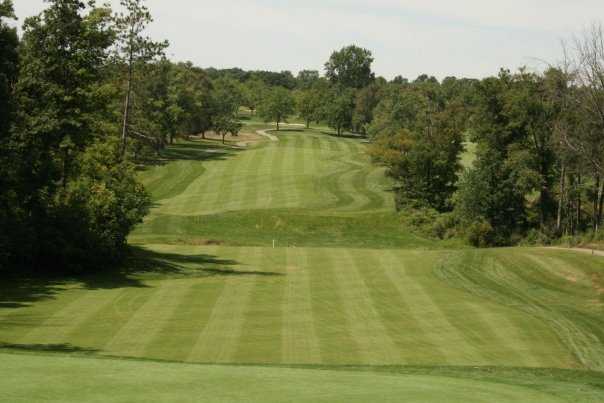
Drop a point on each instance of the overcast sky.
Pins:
(470, 38)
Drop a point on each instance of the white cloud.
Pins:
(464, 38)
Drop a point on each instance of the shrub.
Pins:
(481, 234)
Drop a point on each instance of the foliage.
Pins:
(339, 108)
(134, 50)
(419, 139)
(70, 202)
(350, 67)
(277, 105)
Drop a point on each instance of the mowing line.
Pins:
(437, 324)
(147, 321)
(177, 338)
(336, 344)
(300, 344)
(276, 174)
(365, 325)
(261, 337)
(218, 340)
(504, 342)
(249, 180)
(223, 185)
(408, 330)
(56, 329)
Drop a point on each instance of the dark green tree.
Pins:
(350, 67)
(9, 202)
(277, 105)
(339, 108)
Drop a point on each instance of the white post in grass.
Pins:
(273, 244)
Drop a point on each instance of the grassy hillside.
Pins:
(307, 189)
(357, 303)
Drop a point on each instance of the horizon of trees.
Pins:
(86, 98)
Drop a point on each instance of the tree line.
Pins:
(539, 137)
(86, 98)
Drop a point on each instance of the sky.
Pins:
(463, 38)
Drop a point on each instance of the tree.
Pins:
(339, 108)
(226, 102)
(504, 207)
(277, 105)
(307, 79)
(309, 103)
(253, 92)
(366, 100)
(64, 51)
(134, 49)
(9, 65)
(419, 140)
(350, 67)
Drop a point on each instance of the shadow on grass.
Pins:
(345, 135)
(192, 150)
(47, 348)
(20, 291)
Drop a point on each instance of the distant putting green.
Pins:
(368, 310)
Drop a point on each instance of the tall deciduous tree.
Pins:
(68, 221)
(350, 67)
(339, 108)
(277, 105)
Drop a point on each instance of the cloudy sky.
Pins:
(471, 38)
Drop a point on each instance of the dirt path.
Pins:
(593, 252)
(267, 135)
(272, 137)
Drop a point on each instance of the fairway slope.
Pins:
(281, 271)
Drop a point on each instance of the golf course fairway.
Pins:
(279, 271)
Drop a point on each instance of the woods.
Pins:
(87, 98)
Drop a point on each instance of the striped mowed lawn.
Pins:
(347, 285)
(290, 306)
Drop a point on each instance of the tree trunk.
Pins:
(595, 200)
(308, 123)
(277, 124)
(171, 138)
(203, 134)
(223, 136)
(561, 200)
(578, 227)
(127, 104)
(599, 205)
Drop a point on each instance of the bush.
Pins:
(536, 237)
(445, 226)
(86, 224)
(481, 234)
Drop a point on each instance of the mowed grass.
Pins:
(287, 306)
(349, 305)
(26, 379)
(307, 189)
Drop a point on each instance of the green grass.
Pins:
(308, 189)
(349, 306)
(84, 379)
